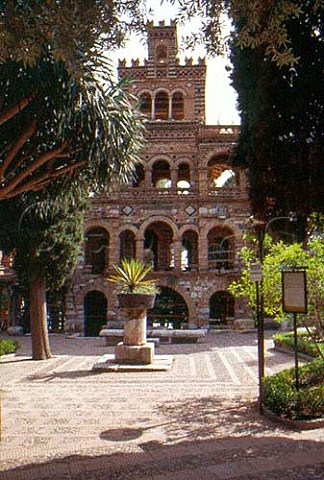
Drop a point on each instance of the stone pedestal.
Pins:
(135, 326)
(134, 349)
(134, 354)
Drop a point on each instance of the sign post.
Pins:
(294, 300)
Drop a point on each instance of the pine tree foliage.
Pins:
(281, 139)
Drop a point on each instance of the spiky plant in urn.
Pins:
(135, 294)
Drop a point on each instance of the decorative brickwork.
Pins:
(184, 212)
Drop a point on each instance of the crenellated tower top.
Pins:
(167, 89)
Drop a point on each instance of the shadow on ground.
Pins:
(256, 459)
(194, 447)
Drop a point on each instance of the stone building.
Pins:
(185, 212)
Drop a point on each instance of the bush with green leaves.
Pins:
(279, 255)
(282, 398)
(305, 344)
(8, 346)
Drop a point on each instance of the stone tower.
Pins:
(184, 212)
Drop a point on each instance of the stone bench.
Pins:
(114, 336)
(177, 335)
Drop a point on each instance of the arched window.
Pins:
(161, 174)
(183, 178)
(146, 104)
(139, 176)
(161, 106)
(158, 241)
(220, 173)
(220, 248)
(96, 249)
(189, 251)
(177, 106)
(161, 54)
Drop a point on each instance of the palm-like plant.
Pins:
(130, 277)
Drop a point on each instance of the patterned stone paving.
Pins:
(61, 420)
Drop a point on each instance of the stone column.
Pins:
(135, 326)
(177, 254)
(139, 249)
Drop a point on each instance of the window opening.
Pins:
(161, 54)
(177, 106)
(146, 104)
(139, 176)
(158, 240)
(96, 250)
(161, 106)
(183, 180)
(161, 175)
(220, 174)
(220, 249)
(189, 251)
(127, 245)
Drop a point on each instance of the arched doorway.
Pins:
(221, 308)
(170, 310)
(95, 313)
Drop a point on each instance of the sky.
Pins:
(220, 96)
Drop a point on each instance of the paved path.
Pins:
(62, 421)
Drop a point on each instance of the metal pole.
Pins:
(261, 359)
(259, 302)
(296, 352)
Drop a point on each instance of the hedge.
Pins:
(304, 343)
(282, 398)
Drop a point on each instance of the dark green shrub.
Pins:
(8, 346)
(282, 398)
(304, 343)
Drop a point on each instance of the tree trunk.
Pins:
(38, 314)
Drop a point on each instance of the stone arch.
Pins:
(95, 312)
(158, 218)
(158, 157)
(96, 223)
(224, 224)
(221, 308)
(184, 159)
